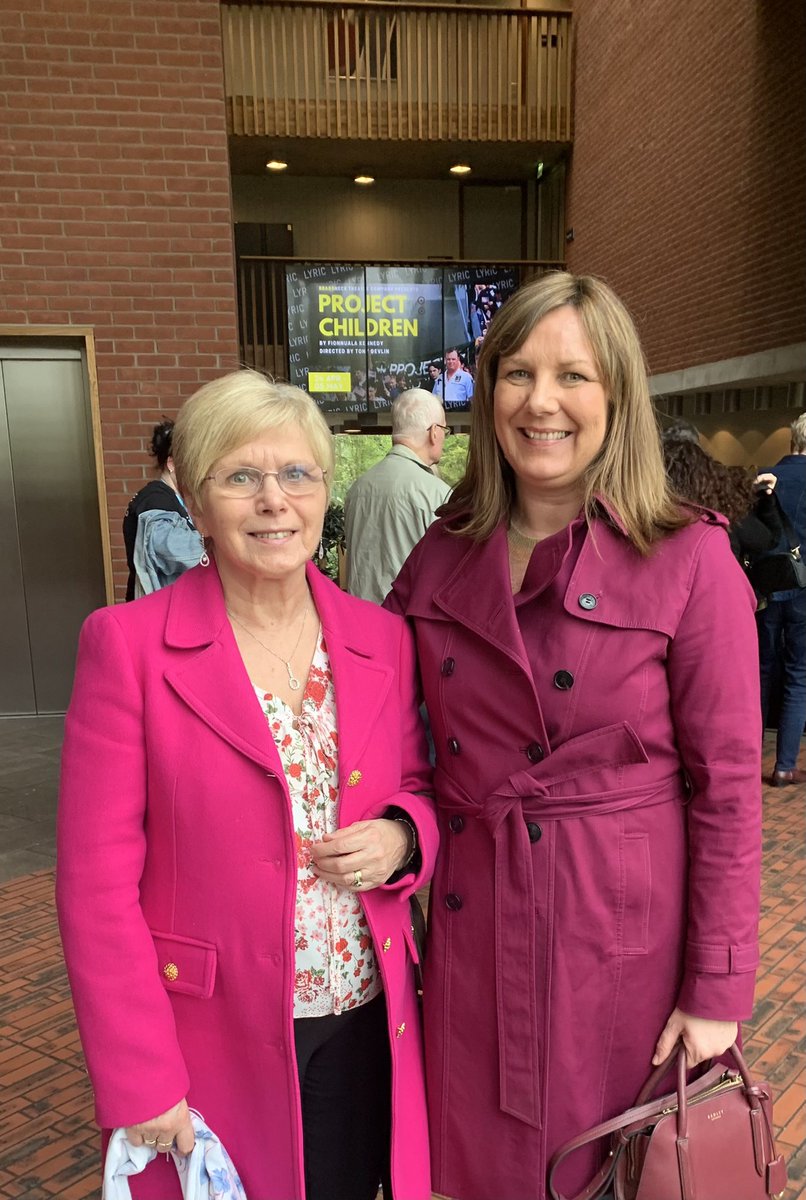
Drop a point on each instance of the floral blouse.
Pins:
(335, 958)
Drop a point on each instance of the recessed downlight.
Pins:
(461, 169)
(276, 164)
(364, 179)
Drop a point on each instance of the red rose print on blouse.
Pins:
(335, 964)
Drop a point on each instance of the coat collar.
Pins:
(610, 584)
(477, 594)
(214, 683)
(404, 452)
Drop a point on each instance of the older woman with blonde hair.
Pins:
(588, 659)
(244, 815)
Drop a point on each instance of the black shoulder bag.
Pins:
(781, 571)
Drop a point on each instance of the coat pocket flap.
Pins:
(185, 964)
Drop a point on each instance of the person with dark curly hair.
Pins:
(159, 535)
(746, 500)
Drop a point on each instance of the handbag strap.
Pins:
(643, 1111)
(792, 539)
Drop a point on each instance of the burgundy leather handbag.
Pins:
(709, 1140)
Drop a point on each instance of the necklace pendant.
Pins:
(293, 682)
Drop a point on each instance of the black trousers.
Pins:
(345, 1082)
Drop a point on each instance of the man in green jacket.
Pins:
(389, 508)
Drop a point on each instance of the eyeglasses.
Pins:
(447, 429)
(293, 480)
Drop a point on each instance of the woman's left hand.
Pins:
(362, 855)
(702, 1038)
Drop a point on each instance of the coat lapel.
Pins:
(213, 681)
(361, 682)
(477, 594)
(211, 678)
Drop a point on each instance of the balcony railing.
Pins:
(263, 300)
(382, 70)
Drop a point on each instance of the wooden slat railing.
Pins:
(383, 70)
(262, 300)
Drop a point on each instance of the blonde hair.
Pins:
(234, 409)
(627, 472)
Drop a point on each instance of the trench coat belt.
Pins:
(525, 795)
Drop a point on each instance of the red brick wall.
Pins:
(115, 203)
(688, 181)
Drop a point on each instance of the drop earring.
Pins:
(321, 553)
(204, 561)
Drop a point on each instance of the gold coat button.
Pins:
(354, 778)
(401, 1029)
(387, 944)
(171, 971)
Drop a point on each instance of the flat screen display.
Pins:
(359, 336)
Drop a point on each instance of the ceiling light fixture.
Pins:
(461, 169)
(365, 179)
(276, 164)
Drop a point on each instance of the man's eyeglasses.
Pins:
(447, 429)
(247, 481)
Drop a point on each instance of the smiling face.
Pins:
(269, 536)
(452, 362)
(550, 408)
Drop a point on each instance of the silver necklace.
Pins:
(293, 682)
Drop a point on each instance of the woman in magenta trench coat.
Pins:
(180, 862)
(589, 664)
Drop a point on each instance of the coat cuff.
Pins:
(719, 981)
(418, 810)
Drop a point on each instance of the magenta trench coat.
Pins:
(176, 847)
(583, 888)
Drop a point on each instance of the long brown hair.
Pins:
(627, 472)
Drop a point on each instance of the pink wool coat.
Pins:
(176, 875)
(588, 884)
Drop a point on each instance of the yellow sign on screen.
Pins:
(329, 381)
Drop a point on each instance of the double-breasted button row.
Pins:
(453, 745)
(535, 752)
(534, 831)
(456, 824)
(453, 902)
(587, 601)
(564, 680)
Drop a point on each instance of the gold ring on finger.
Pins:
(357, 879)
(146, 1142)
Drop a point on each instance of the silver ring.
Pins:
(357, 879)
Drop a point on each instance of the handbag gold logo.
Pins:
(714, 1116)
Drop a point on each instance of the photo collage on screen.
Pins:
(359, 336)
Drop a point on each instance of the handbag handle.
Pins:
(644, 1109)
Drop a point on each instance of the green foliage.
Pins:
(356, 453)
(454, 458)
(332, 540)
